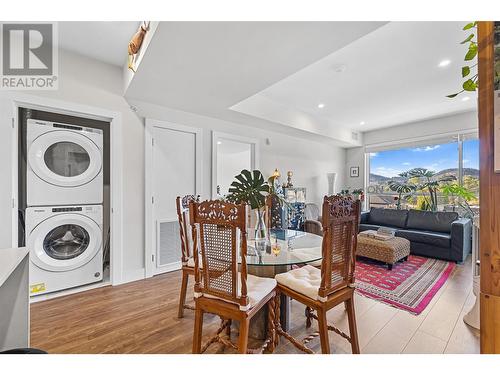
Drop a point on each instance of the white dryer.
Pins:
(64, 164)
(65, 245)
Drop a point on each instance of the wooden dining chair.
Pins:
(187, 260)
(323, 289)
(219, 234)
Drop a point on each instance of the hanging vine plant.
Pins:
(471, 81)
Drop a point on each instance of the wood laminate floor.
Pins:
(141, 317)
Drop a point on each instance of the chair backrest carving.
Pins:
(340, 220)
(219, 232)
(184, 227)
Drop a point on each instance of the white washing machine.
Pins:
(65, 245)
(64, 164)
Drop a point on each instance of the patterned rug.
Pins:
(410, 285)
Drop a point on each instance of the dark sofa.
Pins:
(440, 235)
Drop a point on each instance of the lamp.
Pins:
(331, 182)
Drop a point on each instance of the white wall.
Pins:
(355, 157)
(229, 164)
(406, 133)
(84, 81)
(441, 125)
(88, 82)
(310, 161)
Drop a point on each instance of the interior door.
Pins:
(175, 171)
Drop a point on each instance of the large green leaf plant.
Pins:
(402, 187)
(430, 182)
(250, 188)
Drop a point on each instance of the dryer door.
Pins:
(64, 242)
(65, 158)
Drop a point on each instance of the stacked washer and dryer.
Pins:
(64, 196)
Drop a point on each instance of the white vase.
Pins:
(331, 182)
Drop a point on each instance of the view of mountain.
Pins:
(376, 179)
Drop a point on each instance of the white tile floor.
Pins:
(438, 329)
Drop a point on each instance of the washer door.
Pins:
(65, 158)
(64, 242)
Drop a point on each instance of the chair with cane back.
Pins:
(186, 248)
(322, 289)
(220, 242)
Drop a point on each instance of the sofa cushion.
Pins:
(427, 237)
(388, 217)
(431, 221)
(426, 250)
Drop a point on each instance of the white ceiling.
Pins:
(207, 67)
(103, 41)
(391, 76)
(273, 75)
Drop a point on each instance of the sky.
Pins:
(435, 157)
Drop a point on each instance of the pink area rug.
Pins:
(410, 285)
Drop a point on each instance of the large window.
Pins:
(471, 166)
(393, 173)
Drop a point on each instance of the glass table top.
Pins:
(286, 247)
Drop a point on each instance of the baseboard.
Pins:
(67, 292)
(132, 275)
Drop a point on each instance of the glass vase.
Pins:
(261, 233)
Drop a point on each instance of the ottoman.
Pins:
(387, 251)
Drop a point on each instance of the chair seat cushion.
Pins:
(190, 263)
(305, 280)
(257, 289)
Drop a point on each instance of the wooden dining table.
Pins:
(294, 248)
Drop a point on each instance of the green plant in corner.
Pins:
(460, 196)
(471, 81)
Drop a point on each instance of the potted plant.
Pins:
(252, 189)
(345, 192)
(358, 194)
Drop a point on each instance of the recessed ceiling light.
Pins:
(321, 105)
(465, 98)
(444, 63)
(362, 123)
(219, 142)
(339, 68)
